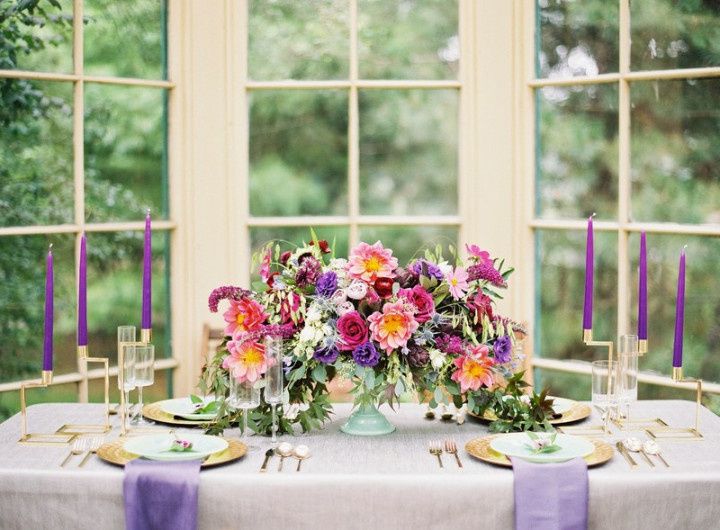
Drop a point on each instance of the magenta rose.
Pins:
(422, 300)
(353, 330)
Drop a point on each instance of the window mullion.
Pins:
(353, 130)
(623, 286)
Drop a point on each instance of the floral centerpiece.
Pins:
(428, 328)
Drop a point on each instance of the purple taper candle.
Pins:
(679, 313)
(82, 330)
(49, 291)
(589, 274)
(642, 289)
(147, 275)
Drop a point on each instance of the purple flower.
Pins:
(427, 268)
(308, 272)
(227, 292)
(326, 355)
(327, 284)
(503, 349)
(450, 344)
(486, 272)
(366, 355)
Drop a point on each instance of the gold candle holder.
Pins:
(91, 428)
(610, 345)
(38, 438)
(642, 347)
(145, 336)
(682, 433)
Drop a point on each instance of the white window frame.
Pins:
(623, 225)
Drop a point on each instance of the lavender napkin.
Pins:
(161, 495)
(551, 496)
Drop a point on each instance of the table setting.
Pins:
(424, 348)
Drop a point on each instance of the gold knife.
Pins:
(623, 451)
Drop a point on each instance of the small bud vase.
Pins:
(367, 420)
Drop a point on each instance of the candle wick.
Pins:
(148, 211)
(593, 215)
(50, 247)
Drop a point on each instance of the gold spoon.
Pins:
(301, 453)
(285, 449)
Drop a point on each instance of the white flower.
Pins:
(338, 297)
(357, 290)
(307, 334)
(313, 314)
(345, 307)
(445, 268)
(437, 358)
(291, 411)
(338, 264)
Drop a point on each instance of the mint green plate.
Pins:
(157, 446)
(184, 407)
(514, 444)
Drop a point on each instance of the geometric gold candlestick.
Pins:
(682, 433)
(38, 438)
(100, 428)
(588, 340)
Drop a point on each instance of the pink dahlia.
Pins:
(394, 326)
(422, 300)
(243, 315)
(474, 370)
(457, 281)
(247, 361)
(370, 262)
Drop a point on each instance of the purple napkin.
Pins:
(161, 495)
(551, 496)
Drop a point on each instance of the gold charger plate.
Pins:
(113, 453)
(579, 411)
(480, 448)
(154, 412)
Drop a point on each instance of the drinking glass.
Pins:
(144, 375)
(126, 336)
(627, 374)
(605, 389)
(274, 378)
(244, 395)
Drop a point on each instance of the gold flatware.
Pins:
(623, 451)
(268, 455)
(284, 450)
(451, 448)
(94, 445)
(301, 452)
(436, 449)
(78, 447)
(651, 447)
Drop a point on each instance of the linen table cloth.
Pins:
(358, 483)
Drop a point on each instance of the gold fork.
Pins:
(451, 448)
(436, 449)
(78, 447)
(95, 443)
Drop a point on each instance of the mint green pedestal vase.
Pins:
(367, 420)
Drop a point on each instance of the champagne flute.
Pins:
(126, 336)
(144, 375)
(244, 395)
(274, 378)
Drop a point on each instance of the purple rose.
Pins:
(426, 268)
(326, 285)
(421, 299)
(366, 355)
(503, 349)
(326, 355)
(353, 330)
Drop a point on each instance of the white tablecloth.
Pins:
(359, 483)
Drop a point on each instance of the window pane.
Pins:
(577, 37)
(10, 401)
(125, 39)
(577, 151)
(563, 384)
(408, 152)
(37, 38)
(668, 34)
(408, 242)
(298, 152)
(125, 139)
(22, 305)
(702, 303)
(675, 153)
(559, 293)
(297, 40)
(290, 237)
(115, 261)
(36, 182)
(408, 39)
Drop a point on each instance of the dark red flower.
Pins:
(285, 256)
(384, 287)
(481, 305)
(324, 246)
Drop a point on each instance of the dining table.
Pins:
(361, 482)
